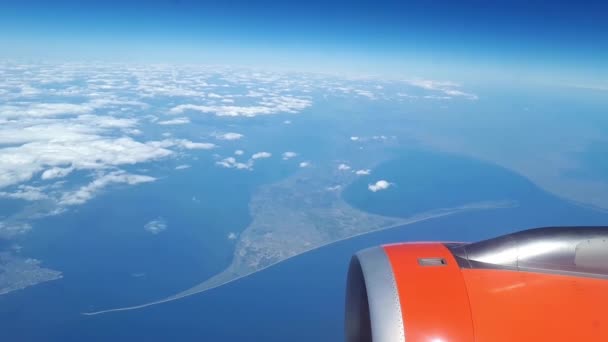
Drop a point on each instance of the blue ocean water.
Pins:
(298, 300)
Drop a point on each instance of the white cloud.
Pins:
(182, 167)
(184, 143)
(176, 121)
(21, 163)
(156, 226)
(363, 172)
(343, 167)
(304, 164)
(10, 230)
(446, 87)
(56, 172)
(88, 191)
(229, 136)
(271, 105)
(232, 236)
(261, 155)
(379, 185)
(26, 192)
(44, 110)
(231, 163)
(239, 152)
(365, 93)
(333, 188)
(289, 155)
(354, 138)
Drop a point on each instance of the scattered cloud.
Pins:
(363, 172)
(231, 163)
(289, 155)
(446, 87)
(87, 192)
(56, 172)
(379, 185)
(261, 155)
(156, 226)
(232, 236)
(304, 164)
(354, 138)
(13, 229)
(343, 167)
(269, 105)
(182, 167)
(176, 121)
(333, 188)
(229, 136)
(26, 192)
(239, 152)
(185, 143)
(21, 163)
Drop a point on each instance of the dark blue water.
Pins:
(298, 300)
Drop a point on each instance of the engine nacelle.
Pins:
(545, 284)
(407, 292)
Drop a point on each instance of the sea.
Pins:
(108, 260)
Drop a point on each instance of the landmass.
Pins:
(297, 215)
(17, 273)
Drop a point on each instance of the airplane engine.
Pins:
(544, 284)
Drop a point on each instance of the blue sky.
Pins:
(550, 40)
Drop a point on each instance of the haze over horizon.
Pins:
(549, 42)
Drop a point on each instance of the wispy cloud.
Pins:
(26, 192)
(9, 230)
(289, 155)
(88, 191)
(446, 87)
(156, 226)
(176, 121)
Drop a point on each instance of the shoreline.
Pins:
(405, 222)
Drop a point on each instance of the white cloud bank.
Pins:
(378, 186)
(269, 105)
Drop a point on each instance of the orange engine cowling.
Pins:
(541, 284)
